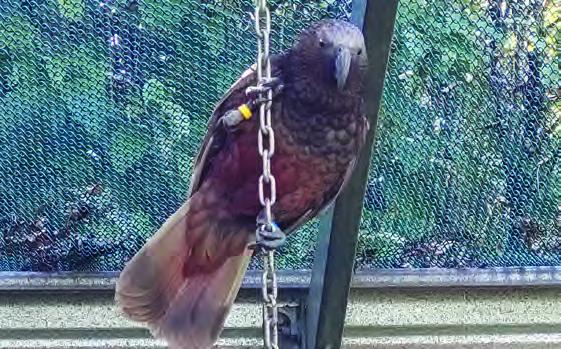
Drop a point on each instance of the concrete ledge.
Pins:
(522, 341)
(454, 318)
(377, 318)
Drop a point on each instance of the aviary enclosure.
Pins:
(103, 105)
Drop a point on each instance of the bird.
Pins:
(182, 283)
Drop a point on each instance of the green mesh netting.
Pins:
(467, 169)
(103, 104)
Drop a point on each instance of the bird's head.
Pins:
(333, 52)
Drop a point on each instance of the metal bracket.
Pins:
(290, 326)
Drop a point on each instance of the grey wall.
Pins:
(377, 318)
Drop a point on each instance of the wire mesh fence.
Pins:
(103, 105)
(467, 171)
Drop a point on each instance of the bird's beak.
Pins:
(342, 66)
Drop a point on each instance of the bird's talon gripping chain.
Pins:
(270, 237)
(234, 116)
(265, 85)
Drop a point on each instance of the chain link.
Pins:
(267, 183)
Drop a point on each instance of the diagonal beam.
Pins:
(334, 260)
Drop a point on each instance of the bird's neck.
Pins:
(311, 108)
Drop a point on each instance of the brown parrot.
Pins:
(183, 282)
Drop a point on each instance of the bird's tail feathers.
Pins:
(158, 286)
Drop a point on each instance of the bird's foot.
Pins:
(234, 117)
(264, 86)
(269, 236)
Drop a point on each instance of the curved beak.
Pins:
(342, 66)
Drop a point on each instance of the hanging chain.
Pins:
(270, 311)
(267, 184)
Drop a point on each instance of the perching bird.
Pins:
(183, 282)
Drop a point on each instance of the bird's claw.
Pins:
(265, 85)
(269, 236)
(256, 97)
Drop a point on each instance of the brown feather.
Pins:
(233, 98)
(183, 304)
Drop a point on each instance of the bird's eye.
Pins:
(359, 52)
(321, 43)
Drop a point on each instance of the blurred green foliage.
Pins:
(103, 104)
(467, 168)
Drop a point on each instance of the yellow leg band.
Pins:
(246, 112)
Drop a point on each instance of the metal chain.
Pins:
(267, 184)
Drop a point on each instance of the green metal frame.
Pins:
(335, 253)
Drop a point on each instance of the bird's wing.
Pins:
(185, 278)
(216, 132)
